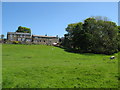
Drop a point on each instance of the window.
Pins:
(36, 37)
(44, 40)
(36, 41)
(19, 39)
(20, 35)
(28, 40)
(11, 37)
(23, 39)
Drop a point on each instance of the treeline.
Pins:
(23, 29)
(94, 35)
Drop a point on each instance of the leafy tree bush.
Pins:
(16, 42)
(94, 35)
(23, 30)
(118, 29)
(1, 36)
(119, 38)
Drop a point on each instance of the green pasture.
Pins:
(40, 66)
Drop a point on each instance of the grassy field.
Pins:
(40, 66)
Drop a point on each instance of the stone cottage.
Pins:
(28, 38)
(18, 36)
(47, 40)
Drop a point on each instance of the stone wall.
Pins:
(25, 38)
(45, 41)
(15, 37)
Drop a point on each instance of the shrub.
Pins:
(16, 42)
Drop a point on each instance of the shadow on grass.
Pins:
(70, 50)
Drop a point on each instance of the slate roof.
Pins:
(44, 36)
(19, 33)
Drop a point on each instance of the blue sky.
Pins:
(52, 18)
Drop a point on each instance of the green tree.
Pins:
(118, 29)
(2, 36)
(23, 30)
(70, 35)
(118, 38)
(101, 36)
(94, 35)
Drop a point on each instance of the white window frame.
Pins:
(19, 39)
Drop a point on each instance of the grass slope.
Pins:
(40, 66)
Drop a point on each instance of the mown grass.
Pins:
(40, 66)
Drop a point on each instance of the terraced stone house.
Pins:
(35, 39)
(48, 40)
(17, 36)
